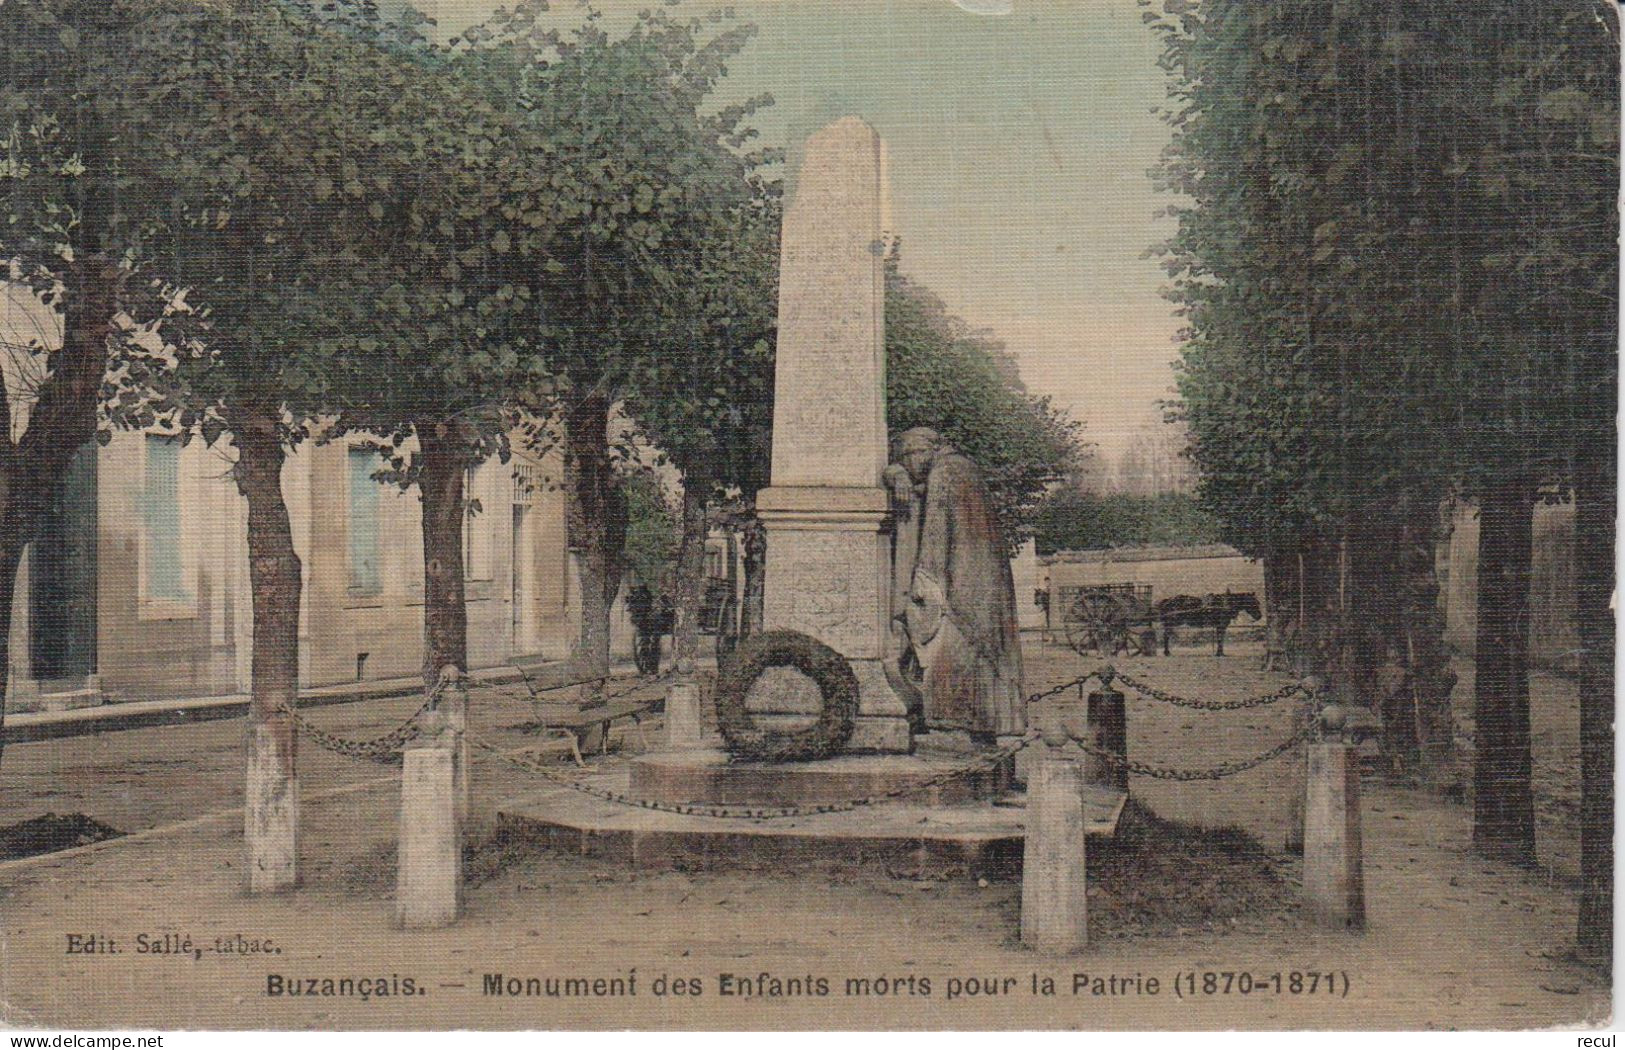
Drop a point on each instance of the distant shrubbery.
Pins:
(652, 533)
(1073, 520)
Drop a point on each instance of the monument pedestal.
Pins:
(710, 776)
(828, 575)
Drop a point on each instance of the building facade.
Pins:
(138, 587)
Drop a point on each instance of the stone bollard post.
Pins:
(1026, 759)
(454, 704)
(1297, 764)
(429, 879)
(1297, 792)
(271, 805)
(1108, 717)
(1333, 877)
(594, 738)
(1054, 898)
(683, 715)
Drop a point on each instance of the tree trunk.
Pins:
(61, 421)
(1280, 610)
(689, 577)
(271, 796)
(750, 617)
(1369, 611)
(1429, 681)
(443, 459)
(597, 526)
(1594, 526)
(1318, 633)
(11, 553)
(1503, 802)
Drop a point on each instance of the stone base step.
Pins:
(983, 838)
(710, 775)
(64, 700)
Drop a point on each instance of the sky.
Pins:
(1018, 147)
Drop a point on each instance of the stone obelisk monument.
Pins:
(828, 545)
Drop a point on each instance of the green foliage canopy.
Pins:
(1380, 304)
(705, 399)
(76, 207)
(652, 532)
(636, 186)
(293, 148)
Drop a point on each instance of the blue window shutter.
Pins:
(161, 516)
(363, 521)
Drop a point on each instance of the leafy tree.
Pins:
(1310, 380)
(77, 226)
(270, 144)
(1539, 381)
(706, 400)
(245, 237)
(1398, 265)
(435, 363)
(636, 175)
(1537, 112)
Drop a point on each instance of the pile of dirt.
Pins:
(50, 833)
(1155, 875)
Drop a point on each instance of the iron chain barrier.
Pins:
(1107, 674)
(1064, 686)
(1218, 772)
(1152, 692)
(983, 764)
(383, 749)
(386, 749)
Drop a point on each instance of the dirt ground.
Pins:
(1453, 941)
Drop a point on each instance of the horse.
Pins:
(1212, 610)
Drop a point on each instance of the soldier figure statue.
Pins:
(953, 595)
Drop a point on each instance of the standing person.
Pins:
(1041, 598)
(647, 621)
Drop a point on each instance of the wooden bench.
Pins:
(577, 724)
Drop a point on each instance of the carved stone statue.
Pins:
(954, 598)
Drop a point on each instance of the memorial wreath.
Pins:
(828, 669)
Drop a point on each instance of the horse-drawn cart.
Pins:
(1109, 619)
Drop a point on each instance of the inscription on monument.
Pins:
(824, 584)
(829, 423)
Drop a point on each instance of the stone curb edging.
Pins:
(34, 726)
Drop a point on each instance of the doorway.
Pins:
(62, 581)
(519, 583)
